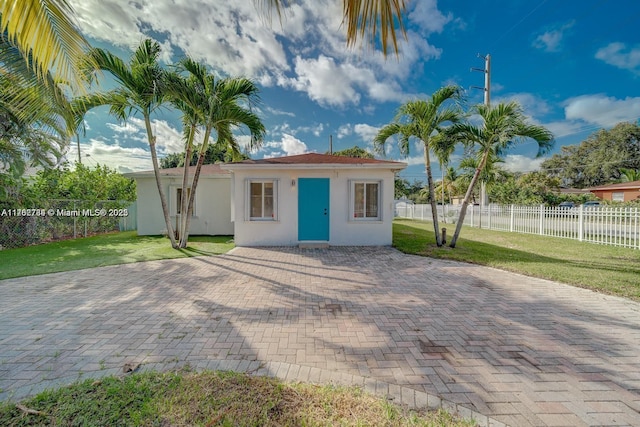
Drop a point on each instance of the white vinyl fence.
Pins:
(604, 225)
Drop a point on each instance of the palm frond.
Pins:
(45, 31)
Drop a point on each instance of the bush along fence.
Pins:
(63, 219)
(616, 226)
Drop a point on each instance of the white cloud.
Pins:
(236, 39)
(126, 127)
(122, 159)
(288, 143)
(168, 139)
(345, 130)
(616, 54)
(277, 112)
(428, 17)
(551, 41)
(366, 132)
(532, 105)
(602, 110)
(519, 163)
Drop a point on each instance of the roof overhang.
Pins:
(396, 166)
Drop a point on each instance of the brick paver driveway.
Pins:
(523, 351)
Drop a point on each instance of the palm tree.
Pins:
(364, 18)
(448, 184)
(141, 91)
(44, 31)
(629, 175)
(220, 106)
(502, 127)
(423, 120)
(36, 119)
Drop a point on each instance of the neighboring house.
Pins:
(622, 192)
(313, 199)
(211, 214)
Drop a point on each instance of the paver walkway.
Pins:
(520, 350)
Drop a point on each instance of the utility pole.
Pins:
(487, 101)
(78, 139)
(331, 144)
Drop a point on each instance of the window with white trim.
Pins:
(618, 196)
(262, 201)
(366, 200)
(176, 200)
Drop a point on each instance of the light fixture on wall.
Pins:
(293, 182)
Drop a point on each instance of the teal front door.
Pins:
(313, 209)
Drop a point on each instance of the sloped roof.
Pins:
(317, 159)
(207, 170)
(631, 185)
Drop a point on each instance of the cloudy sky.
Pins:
(573, 64)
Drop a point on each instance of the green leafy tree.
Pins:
(214, 154)
(84, 183)
(502, 127)
(356, 152)
(533, 188)
(423, 119)
(599, 159)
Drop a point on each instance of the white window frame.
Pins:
(352, 200)
(173, 197)
(247, 199)
(617, 196)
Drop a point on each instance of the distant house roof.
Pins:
(207, 170)
(315, 160)
(631, 185)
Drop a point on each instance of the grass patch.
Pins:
(608, 269)
(105, 249)
(212, 399)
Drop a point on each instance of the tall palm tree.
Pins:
(220, 106)
(141, 90)
(423, 119)
(502, 127)
(364, 18)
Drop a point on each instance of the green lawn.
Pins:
(607, 269)
(212, 399)
(106, 249)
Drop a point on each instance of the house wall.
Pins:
(211, 217)
(629, 195)
(284, 231)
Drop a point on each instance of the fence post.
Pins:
(542, 220)
(472, 212)
(580, 223)
(511, 218)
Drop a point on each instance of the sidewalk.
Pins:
(519, 350)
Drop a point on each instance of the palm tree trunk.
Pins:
(156, 171)
(184, 200)
(194, 184)
(432, 195)
(467, 197)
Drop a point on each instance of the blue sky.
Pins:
(574, 65)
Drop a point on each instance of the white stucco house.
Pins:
(211, 213)
(311, 199)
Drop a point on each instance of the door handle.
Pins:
(325, 211)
